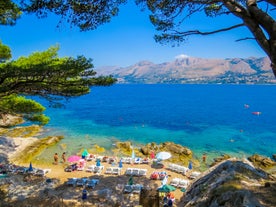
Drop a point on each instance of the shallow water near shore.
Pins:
(212, 119)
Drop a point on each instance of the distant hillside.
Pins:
(195, 70)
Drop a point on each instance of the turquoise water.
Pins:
(205, 118)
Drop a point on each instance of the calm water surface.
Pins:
(205, 118)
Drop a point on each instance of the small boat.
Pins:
(256, 113)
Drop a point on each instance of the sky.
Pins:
(127, 39)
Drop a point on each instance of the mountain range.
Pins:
(195, 70)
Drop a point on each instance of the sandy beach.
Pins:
(112, 184)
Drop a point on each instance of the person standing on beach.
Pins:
(56, 158)
(63, 157)
(204, 157)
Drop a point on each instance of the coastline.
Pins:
(62, 194)
(111, 182)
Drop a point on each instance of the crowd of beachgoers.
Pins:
(95, 180)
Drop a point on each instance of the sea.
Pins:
(238, 120)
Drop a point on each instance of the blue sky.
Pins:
(126, 40)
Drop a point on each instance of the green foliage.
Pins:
(46, 75)
(5, 52)
(9, 12)
(29, 109)
(87, 15)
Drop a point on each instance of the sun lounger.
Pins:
(109, 170)
(92, 183)
(145, 161)
(116, 171)
(183, 183)
(127, 188)
(71, 181)
(81, 181)
(136, 188)
(42, 172)
(194, 175)
(135, 171)
(128, 171)
(80, 168)
(175, 182)
(171, 167)
(142, 172)
(137, 160)
(128, 160)
(98, 169)
(90, 157)
(90, 168)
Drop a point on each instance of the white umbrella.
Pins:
(163, 155)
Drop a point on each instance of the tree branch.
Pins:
(197, 32)
(246, 38)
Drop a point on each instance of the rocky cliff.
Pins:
(195, 70)
(232, 183)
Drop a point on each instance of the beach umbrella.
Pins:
(166, 188)
(190, 166)
(85, 153)
(120, 164)
(163, 155)
(73, 158)
(98, 163)
(152, 155)
(30, 167)
(130, 180)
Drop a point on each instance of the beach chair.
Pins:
(105, 159)
(98, 169)
(175, 182)
(81, 182)
(71, 181)
(96, 181)
(182, 170)
(108, 170)
(142, 172)
(128, 160)
(145, 161)
(116, 171)
(136, 188)
(80, 168)
(137, 160)
(92, 183)
(90, 168)
(183, 183)
(135, 171)
(171, 166)
(128, 171)
(127, 188)
(42, 172)
(90, 157)
(194, 175)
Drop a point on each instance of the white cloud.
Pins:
(181, 56)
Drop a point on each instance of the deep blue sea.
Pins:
(208, 119)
